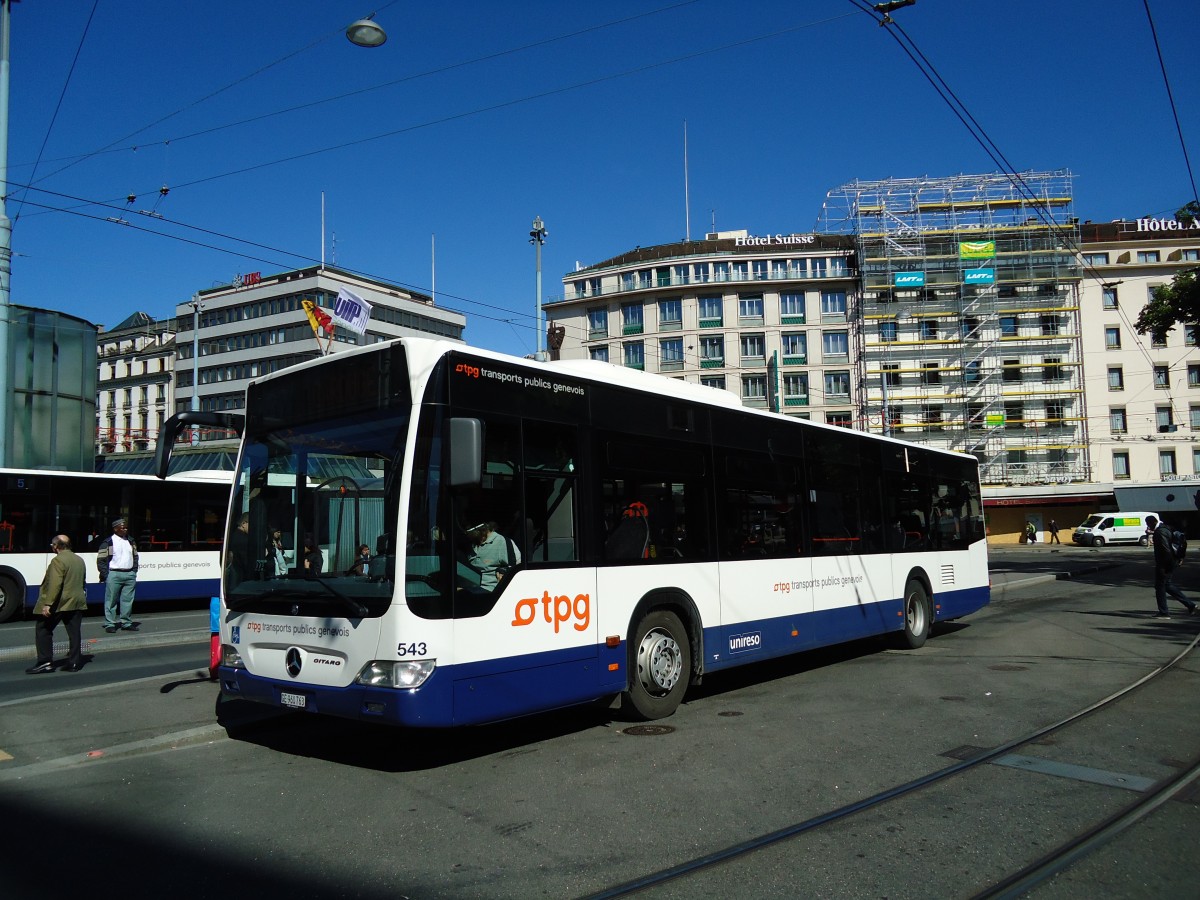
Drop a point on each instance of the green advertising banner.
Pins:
(976, 249)
(994, 420)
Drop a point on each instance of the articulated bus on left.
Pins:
(177, 524)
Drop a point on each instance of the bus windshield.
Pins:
(312, 519)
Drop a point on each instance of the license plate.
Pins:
(295, 701)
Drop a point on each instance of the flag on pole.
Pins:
(351, 310)
(317, 318)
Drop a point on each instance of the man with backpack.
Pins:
(1168, 553)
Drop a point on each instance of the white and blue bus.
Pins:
(654, 532)
(178, 524)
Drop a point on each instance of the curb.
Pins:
(111, 643)
(1004, 588)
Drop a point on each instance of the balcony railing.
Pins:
(585, 292)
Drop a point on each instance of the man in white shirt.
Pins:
(117, 560)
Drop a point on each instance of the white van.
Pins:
(1114, 528)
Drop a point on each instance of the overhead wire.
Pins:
(579, 85)
(58, 106)
(1171, 97)
(207, 96)
(931, 74)
(111, 148)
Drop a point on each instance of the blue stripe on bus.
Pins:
(490, 690)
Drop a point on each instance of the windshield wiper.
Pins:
(356, 608)
(283, 595)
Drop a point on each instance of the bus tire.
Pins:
(11, 599)
(918, 617)
(660, 666)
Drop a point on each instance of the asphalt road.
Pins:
(149, 779)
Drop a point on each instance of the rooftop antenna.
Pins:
(322, 230)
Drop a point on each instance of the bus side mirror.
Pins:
(466, 452)
(175, 426)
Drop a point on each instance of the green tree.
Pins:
(1177, 303)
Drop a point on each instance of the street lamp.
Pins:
(197, 305)
(365, 33)
(537, 237)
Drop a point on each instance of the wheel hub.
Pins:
(660, 662)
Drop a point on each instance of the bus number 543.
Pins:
(411, 649)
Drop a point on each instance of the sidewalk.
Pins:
(1014, 566)
(96, 640)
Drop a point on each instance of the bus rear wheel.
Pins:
(918, 617)
(661, 666)
(10, 599)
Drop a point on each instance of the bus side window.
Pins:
(549, 529)
(663, 485)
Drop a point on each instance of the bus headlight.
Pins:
(231, 658)
(410, 673)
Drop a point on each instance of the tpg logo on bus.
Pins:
(565, 609)
(740, 643)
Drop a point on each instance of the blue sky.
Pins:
(475, 117)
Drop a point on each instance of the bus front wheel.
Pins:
(662, 666)
(10, 599)
(918, 617)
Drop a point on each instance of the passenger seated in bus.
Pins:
(313, 561)
(361, 561)
(492, 555)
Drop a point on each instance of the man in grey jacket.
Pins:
(63, 598)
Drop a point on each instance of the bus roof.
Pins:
(424, 353)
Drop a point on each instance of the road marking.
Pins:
(1078, 773)
(4, 757)
(171, 741)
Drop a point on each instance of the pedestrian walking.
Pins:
(1054, 532)
(1166, 560)
(1030, 533)
(62, 598)
(117, 560)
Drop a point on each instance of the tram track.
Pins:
(1018, 882)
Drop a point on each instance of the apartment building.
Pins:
(135, 362)
(764, 316)
(1143, 395)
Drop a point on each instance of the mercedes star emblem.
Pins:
(294, 662)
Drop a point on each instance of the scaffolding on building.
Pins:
(967, 330)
